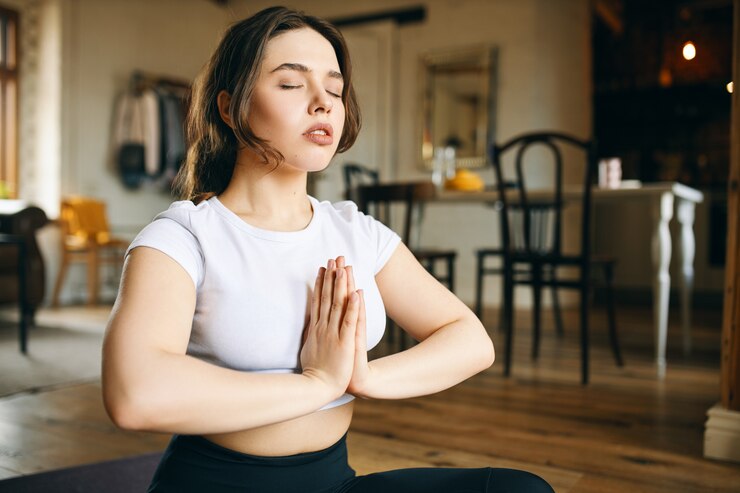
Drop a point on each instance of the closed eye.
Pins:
(289, 86)
(334, 94)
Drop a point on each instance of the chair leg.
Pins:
(391, 329)
(557, 312)
(536, 309)
(22, 299)
(508, 321)
(60, 280)
(611, 310)
(92, 276)
(451, 273)
(479, 287)
(584, 332)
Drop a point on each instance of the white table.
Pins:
(662, 199)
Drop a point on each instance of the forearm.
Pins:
(447, 357)
(175, 393)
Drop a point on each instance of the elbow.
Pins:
(488, 353)
(125, 414)
(485, 349)
(130, 411)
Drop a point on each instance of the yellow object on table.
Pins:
(466, 181)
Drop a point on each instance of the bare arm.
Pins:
(149, 383)
(454, 344)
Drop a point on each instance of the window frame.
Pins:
(9, 101)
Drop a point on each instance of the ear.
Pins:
(224, 101)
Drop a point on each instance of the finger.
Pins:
(361, 340)
(327, 292)
(340, 262)
(350, 279)
(349, 323)
(316, 297)
(340, 299)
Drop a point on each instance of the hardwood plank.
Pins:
(626, 431)
(369, 453)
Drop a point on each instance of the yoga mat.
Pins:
(129, 475)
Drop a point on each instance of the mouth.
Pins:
(321, 134)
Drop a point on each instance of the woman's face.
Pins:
(296, 105)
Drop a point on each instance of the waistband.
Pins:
(200, 445)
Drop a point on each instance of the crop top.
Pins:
(253, 286)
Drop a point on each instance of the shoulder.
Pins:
(175, 233)
(184, 213)
(344, 211)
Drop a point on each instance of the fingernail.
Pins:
(330, 264)
(339, 273)
(354, 297)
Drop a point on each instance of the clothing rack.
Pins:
(140, 81)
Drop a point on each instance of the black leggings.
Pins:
(194, 464)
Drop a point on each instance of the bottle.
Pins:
(438, 167)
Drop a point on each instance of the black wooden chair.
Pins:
(355, 175)
(532, 223)
(408, 199)
(484, 268)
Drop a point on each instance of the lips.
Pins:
(321, 133)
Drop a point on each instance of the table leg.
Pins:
(685, 212)
(662, 211)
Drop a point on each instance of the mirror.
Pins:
(458, 104)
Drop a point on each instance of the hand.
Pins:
(328, 351)
(361, 370)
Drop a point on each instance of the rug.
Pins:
(55, 357)
(130, 475)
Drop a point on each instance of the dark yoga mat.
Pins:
(130, 475)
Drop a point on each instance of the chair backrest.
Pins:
(376, 200)
(355, 175)
(532, 223)
(84, 218)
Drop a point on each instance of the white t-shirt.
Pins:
(253, 286)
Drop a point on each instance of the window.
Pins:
(8, 103)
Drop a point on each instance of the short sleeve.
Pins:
(386, 240)
(176, 241)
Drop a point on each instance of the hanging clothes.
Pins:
(137, 137)
(172, 132)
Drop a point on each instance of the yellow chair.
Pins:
(86, 237)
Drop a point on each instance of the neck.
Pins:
(260, 191)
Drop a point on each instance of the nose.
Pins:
(321, 102)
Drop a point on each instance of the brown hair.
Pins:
(234, 67)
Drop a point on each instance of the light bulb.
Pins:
(730, 87)
(689, 50)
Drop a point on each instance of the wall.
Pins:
(544, 81)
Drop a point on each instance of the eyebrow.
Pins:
(302, 68)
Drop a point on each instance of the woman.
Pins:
(245, 315)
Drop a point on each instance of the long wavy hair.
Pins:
(235, 67)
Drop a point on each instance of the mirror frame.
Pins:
(484, 57)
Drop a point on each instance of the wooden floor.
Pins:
(625, 432)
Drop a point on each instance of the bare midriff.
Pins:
(308, 433)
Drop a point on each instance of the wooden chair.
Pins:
(86, 238)
(377, 201)
(532, 243)
(355, 175)
(483, 269)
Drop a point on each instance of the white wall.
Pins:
(103, 42)
(544, 82)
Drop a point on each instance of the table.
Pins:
(662, 198)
